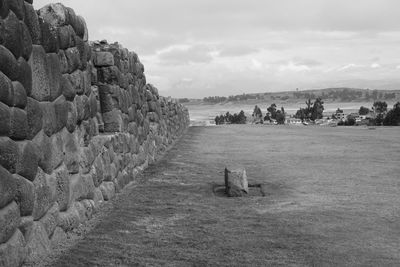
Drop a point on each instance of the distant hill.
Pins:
(341, 94)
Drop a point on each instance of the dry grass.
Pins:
(332, 199)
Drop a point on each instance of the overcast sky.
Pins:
(196, 48)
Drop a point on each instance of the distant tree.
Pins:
(301, 114)
(280, 117)
(257, 114)
(338, 111)
(317, 109)
(380, 108)
(374, 95)
(363, 110)
(367, 96)
(392, 118)
(272, 111)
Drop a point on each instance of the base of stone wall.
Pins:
(82, 216)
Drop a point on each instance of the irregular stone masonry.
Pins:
(78, 122)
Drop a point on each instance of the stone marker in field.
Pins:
(236, 182)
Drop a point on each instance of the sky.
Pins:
(198, 48)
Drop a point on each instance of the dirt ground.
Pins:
(332, 199)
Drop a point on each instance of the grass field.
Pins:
(333, 199)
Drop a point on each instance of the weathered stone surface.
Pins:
(80, 45)
(81, 187)
(25, 75)
(98, 173)
(50, 220)
(13, 35)
(14, 252)
(66, 37)
(8, 63)
(236, 182)
(63, 62)
(85, 35)
(113, 121)
(9, 221)
(53, 70)
(40, 81)
(86, 107)
(28, 160)
(34, 116)
(72, 117)
(49, 37)
(49, 119)
(63, 189)
(8, 187)
(98, 198)
(75, 79)
(8, 154)
(32, 22)
(59, 236)
(103, 59)
(18, 124)
(69, 220)
(25, 195)
(67, 89)
(55, 14)
(86, 86)
(108, 190)
(17, 6)
(4, 119)
(7, 90)
(37, 242)
(44, 195)
(88, 208)
(79, 108)
(61, 112)
(73, 59)
(4, 8)
(109, 75)
(26, 41)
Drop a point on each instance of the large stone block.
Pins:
(113, 121)
(75, 79)
(37, 242)
(103, 59)
(50, 220)
(53, 70)
(73, 59)
(49, 119)
(61, 112)
(28, 159)
(50, 152)
(66, 37)
(40, 81)
(58, 237)
(86, 107)
(81, 187)
(8, 187)
(18, 124)
(34, 116)
(8, 63)
(25, 75)
(4, 119)
(44, 194)
(9, 221)
(56, 15)
(69, 220)
(93, 105)
(63, 188)
(108, 190)
(14, 252)
(67, 89)
(86, 85)
(8, 154)
(72, 117)
(26, 41)
(80, 45)
(79, 108)
(7, 91)
(13, 35)
(109, 75)
(25, 195)
(63, 61)
(86, 159)
(17, 6)
(49, 37)
(4, 8)
(19, 95)
(71, 151)
(32, 22)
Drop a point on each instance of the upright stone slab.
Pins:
(236, 182)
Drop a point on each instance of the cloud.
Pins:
(237, 51)
(375, 65)
(183, 55)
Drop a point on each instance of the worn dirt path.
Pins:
(333, 199)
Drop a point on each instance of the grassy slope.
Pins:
(333, 199)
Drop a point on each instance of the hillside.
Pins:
(327, 94)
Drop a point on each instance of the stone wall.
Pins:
(77, 123)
